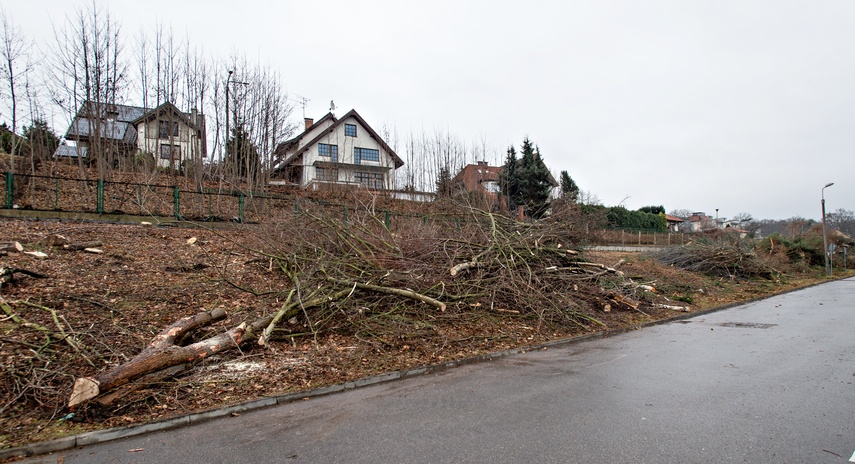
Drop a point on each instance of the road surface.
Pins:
(767, 382)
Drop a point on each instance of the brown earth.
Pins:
(113, 303)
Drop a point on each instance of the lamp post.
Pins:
(824, 234)
(226, 145)
(229, 81)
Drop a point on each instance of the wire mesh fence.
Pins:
(46, 193)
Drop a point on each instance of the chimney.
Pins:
(309, 122)
(482, 163)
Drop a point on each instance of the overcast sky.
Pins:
(745, 106)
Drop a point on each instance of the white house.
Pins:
(344, 151)
(120, 131)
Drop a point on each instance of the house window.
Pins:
(330, 151)
(371, 180)
(163, 129)
(365, 154)
(326, 174)
(168, 151)
(350, 130)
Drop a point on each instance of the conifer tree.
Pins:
(569, 189)
(443, 182)
(526, 181)
(509, 184)
(535, 185)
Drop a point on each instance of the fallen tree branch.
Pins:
(82, 245)
(6, 274)
(262, 340)
(394, 291)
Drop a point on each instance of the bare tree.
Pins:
(842, 220)
(15, 48)
(88, 74)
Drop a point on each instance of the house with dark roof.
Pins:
(337, 151)
(120, 131)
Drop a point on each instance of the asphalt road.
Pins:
(768, 382)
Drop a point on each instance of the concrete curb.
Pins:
(116, 433)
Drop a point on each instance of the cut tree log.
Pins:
(11, 246)
(160, 354)
(142, 382)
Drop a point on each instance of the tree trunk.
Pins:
(160, 354)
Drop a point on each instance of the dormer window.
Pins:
(350, 130)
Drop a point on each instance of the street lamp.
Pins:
(226, 146)
(824, 234)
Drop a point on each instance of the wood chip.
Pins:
(93, 250)
(36, 254)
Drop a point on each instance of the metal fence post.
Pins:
(388, 219)
(99, 197)
(10, 179)
(56, 195)
(240, 207)
(176, 202)
(345, 214)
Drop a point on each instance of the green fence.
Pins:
(45, 193)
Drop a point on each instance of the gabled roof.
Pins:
(166, 107)
(698, 218)
(118, 128)
(671, 218)
(288, 144)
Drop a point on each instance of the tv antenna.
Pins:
(302, 101)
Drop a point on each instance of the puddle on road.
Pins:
(747, 325)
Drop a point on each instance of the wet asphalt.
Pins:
(768, 382)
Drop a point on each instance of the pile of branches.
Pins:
(722, 256)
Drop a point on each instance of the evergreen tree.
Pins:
(509, 184)
(534, 178)
(6, 138)
(443, 182)
(241, 155)
(569, 189)
(652, 209)
(526, 181)
(41, 140)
